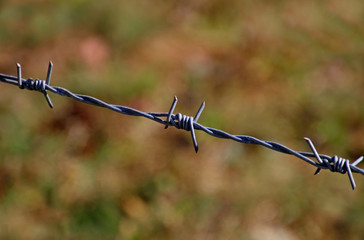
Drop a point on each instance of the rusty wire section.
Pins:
(189, 123)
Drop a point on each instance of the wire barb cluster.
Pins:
(335, 164)
(189, 123)
(37, 85)
(184, 122)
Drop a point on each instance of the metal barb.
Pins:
(350, 174)
(183, 121)
(173, 106)
(316, 154)
(193, 135)
(198, 114)
(18, 66)
(48, 79)
(357, 161)
(340, 165)
(49, 72)
(314, 150)
(38, 85)
(193, 120)
(48, 99)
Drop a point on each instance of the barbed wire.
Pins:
(189, 123)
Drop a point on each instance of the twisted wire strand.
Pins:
(189, 123)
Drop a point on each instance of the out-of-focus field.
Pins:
(276, 70)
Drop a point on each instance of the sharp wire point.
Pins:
(49, 72)
(193, 135)
(173, 106)
(18, 66)
(313, 150)
(198, 114)
(357, 161)
(48, 79)
(48, 100)
(350, 174)
(317, 171)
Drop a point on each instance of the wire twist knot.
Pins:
(37, 85)
(182, 121)
(337, 164)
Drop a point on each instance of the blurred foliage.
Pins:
(277, 70)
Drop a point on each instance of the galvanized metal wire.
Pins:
(189, 123)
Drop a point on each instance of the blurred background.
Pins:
(276, 70)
